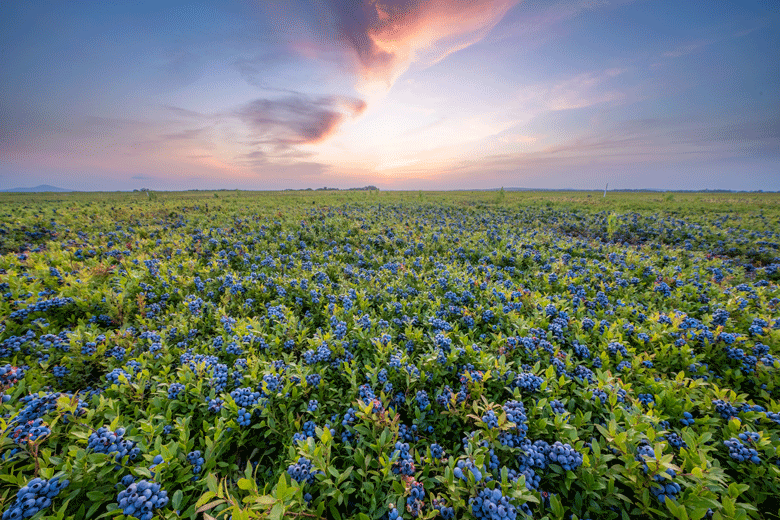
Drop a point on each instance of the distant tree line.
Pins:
(325, 188)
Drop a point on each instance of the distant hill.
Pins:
(42, 187)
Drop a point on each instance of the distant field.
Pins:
(389, 354)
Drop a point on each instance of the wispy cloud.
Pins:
(269, 70)
(662, 142)
(519, 138)
(184, 135)
(580, 91)
(182, 112)
(537, 26)
(689, 48)
(694, 46)
(422, 129)
(583, 90)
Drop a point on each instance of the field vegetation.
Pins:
(384, 355)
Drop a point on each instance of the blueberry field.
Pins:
(374, 355)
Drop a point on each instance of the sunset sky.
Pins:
(401, 94)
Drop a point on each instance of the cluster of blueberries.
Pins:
(557, 407)
(10, 374)
(347, 422)
(215, 405)
(28, 425)
(103, 440)
(490, 419)
(403, 463)
(34, 497)
(196, 461)
(467, 465)
(663, 487)
(527, 382)
(415, 500)
(140, 499)
(244, 417)
(40, 307)
(437, 452)
(740, 452)
(309, 430)
(302, 472)
(446, 512)
(118, 376)
(491, 504)
(174, 390)
(30, 431)
(564, 455)
(515, 413)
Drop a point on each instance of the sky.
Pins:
(400, 94)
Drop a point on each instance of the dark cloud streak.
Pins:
(183, 112)
(184, 135)
(298, 119)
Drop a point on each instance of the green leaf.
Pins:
(265, 500)
(677, 510)
(211, 482)
(92, 509)
(345, 475)
(95, 496)
(210, 506)
(208, 495)
(176, 500)
(281, 487)
(555, 505)
(604, 432)
(728, 506)
(335, 512)
(276, 512)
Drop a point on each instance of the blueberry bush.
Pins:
(238, 355)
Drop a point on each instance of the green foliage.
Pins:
(263, 281)
(612, 224)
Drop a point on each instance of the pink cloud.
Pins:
(386, 36)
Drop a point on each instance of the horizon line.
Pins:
(328, 189)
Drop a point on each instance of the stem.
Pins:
(296, 514)
(34, 452)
